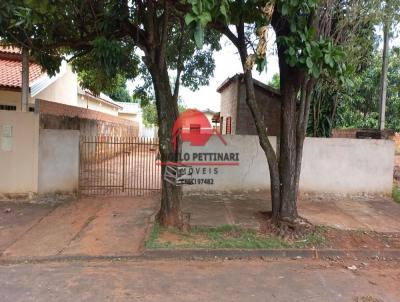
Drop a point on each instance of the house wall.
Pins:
(128, 116)
(229, 96)
(64, 90)
(340, 166)
(89, 123)
(58, 161)
(270, 105)
(19, 163)
(12, 98)
(233, 103)
(93, 104)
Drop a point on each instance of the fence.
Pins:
(118, 166)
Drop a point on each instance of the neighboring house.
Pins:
(130, 111)
(62, 88)
(235, 116)
(102, 102)
(133, 112)
(213, 117)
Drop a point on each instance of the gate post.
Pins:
(123, 165)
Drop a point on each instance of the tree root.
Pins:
(287, 228)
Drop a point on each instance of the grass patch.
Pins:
(154, 233)
(226, 236)
(396, 193)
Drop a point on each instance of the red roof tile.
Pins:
(10, 73)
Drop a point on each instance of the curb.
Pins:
(204, 255)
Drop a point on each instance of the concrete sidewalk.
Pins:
(118, 226)
(92, 226)
(380, 214)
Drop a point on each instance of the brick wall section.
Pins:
(88, 122)
(233, 103)
(397, 142)
(344, 133)
(268, 102)
(57, 109)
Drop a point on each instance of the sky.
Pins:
(228, 64)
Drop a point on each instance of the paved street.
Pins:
(286, 280)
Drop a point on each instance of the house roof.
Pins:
(239, 76)
(10, 75)
(208, 110)
(101, 97)
(10, 71)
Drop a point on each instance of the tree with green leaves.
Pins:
(355, 28)
(359, 104)
(305, 51)
(106, 39)
(120, 93)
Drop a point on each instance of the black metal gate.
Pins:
(118, 166)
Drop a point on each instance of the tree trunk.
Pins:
(260, 126)
(25, 80)
(167, 112)
(287, 156)
(302, 122)
(382, 103)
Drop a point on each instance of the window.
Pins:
(8, 107)
(228, 125)
(31, 109)
(221, 124)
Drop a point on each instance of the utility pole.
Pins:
(25, 80)
(385, 61)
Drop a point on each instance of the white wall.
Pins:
(64, 90)
(58, 161)
(329, 165)
(19, 152)
(93, 104)
(36, 161)
(10, 98)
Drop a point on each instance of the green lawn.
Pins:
(226, 236)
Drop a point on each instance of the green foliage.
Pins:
(202, 12)
(396, 193)
(107, 66)
(79, 31)
(303, 49)
(149, 110)
(357, 106)
(149, 114)
(197, 65)
(119, 92)
(275, 81)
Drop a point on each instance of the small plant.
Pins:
(396, 193)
